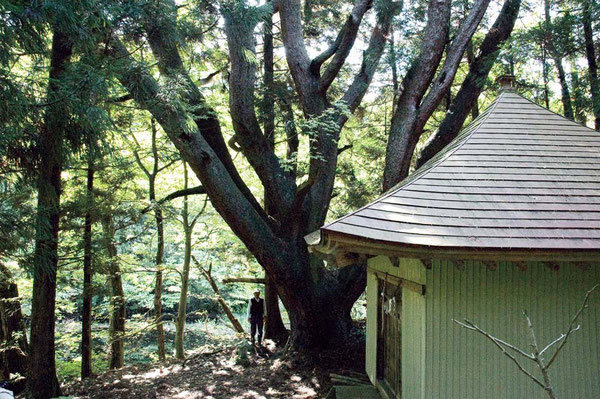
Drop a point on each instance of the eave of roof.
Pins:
(518, 178)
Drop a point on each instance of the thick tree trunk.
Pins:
(320, 315)
(277, 242)
(466, 98)
(86, 322)
(274, 327)
(185, 276)
(42, 382)
(588, 36)
(116, 327)
(12, 331)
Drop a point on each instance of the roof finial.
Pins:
(507, 82)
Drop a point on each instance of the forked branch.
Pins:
(537, 355)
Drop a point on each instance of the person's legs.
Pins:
(260, 330)
(253, 330)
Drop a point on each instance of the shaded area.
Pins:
(212, 372)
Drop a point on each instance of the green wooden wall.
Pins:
(444, 360)
(463, 364)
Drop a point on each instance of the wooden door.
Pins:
(389, 341)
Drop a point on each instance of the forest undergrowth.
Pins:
(214, 371)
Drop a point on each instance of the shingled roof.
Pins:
(517, 177)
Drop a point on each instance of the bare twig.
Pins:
(470, 326)
(496, 342)
(571, 329)
(536, 356)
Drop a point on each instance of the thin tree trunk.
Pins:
(116, 328)
(545, 77)
(579, 100)
(562, 77)
(208, 276)
(86, 322)
(12, 331)
(160, 250)
(591, 60)
(42, 382)
(185, 274)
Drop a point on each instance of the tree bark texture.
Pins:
(310, 291)
(274, 327)
(423, 89)
(86, 318)
(472, 86)
(116, 328)
(12, 331)
(42, 382)
(591, 60)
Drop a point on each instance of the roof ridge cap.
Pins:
(548, 110)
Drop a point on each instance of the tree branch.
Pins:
(453, 57)
(474, 82)
(296, 54)
(176, 194)
(371, 56)
(279, 186)
(571, 326)
(253, 280)
(496, 342)
(227, 198)
(162, 39)
(344, 148)
(341, 47)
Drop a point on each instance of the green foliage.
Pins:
(110, 129)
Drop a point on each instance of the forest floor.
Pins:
(213, 373)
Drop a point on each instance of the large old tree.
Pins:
(318, 299)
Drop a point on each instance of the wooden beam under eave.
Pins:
(375, 248)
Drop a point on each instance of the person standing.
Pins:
(256, 315)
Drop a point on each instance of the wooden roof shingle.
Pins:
(517, 177)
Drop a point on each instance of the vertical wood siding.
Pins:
(371, 349)
(463, 364)
(413, 344)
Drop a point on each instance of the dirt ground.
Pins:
(210, 375)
